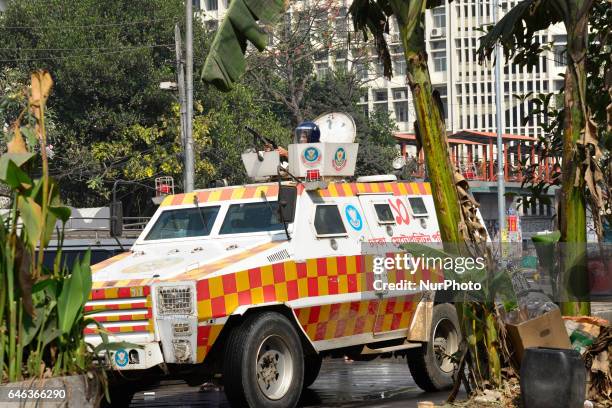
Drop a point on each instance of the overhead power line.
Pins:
(76, 49)
(129, 23)
(87, 55)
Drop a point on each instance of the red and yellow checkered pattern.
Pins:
(206, 338)
(220, 296)
(395, 188)
(337, 320)
(271, 190)
(222, 194)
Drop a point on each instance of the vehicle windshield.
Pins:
(251, 217)
(184, 223)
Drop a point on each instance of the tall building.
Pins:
(467, 89)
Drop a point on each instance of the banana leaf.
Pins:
(226, 61)
(515, 30)
(74, 294)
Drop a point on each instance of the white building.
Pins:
(467, 88)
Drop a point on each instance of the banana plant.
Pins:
(581, 151)
(226, 62)
(42, 318)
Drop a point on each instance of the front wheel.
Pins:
(264, 363)
(431, 365)
(312, 366)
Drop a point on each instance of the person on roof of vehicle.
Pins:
(307, 132)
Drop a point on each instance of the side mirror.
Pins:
(116, 219)
(287, 198)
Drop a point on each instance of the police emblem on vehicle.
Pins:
(121, 358)
(339, 159)
(353, 217)
(311, 156)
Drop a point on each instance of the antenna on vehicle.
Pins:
(196, 202)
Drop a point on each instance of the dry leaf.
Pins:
(41, 87)
(17, 144)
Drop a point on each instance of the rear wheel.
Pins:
(431, 365)
(264, 363)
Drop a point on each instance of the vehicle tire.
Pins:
(263, 363)
(120, 397)
(312, 366)
(429, 366)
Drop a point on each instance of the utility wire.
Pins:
(79, 48)
(130, 23)
(169, 46)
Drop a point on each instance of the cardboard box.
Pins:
(547, 330)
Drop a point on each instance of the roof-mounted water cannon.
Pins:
(262, 160)
(324, 147)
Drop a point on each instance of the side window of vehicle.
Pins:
(384, 213)
(418, 206)
(328, 221)
(251, 217)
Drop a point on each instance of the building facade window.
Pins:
(361, 71)
(439, 60)
(560, 56)
(212, 5)
(401, 111)
(439, 17)
(400, 94)
(443, 97)
(322, 71)
(399, 67)
(380, 95)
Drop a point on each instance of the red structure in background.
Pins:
(475, 154)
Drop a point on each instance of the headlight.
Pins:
(174, 300)
(182, 350)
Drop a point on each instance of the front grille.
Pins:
(121, 315)
(181, 329)
(174, 300)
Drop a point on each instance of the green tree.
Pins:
(580, 151)
(228, 114)
(107, 59)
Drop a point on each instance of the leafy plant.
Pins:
(41, 309)
(581, 174)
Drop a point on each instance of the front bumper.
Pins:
(134, 358)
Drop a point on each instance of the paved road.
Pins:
(379, 383)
